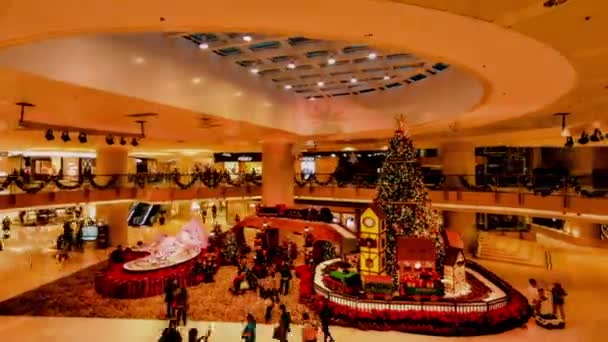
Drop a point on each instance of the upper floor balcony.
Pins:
(556, 197)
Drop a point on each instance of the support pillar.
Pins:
(114, 161)
(464, 224)
(277, 173)
(458, 159)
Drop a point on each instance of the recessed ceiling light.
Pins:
(203, 46)
(254, 70)
(372, 55)
(353, 80)
(196, 80)
(386, 77)
(238, 93)
(138, 60)
(291, 65)
(287, 86)
(311, 99)
(247, 38)
(331, 61)
(320, 83)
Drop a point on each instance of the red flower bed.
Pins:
(513, 314)
(116, 282)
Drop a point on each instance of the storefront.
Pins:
(238, 163)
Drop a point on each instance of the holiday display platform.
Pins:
(145, 272)
(409, 274)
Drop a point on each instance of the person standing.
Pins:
(269, 303)
(248, 334)
(558, 295)
(181, 306)
(285, 278)
(284, 327)
(325, 315)
(309, 330)
(532, 294)
(169, 298)
(213, 212)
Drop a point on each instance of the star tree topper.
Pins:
(401, 124)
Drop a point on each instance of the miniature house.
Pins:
(372, 241)
(415, 256)
(454, 274)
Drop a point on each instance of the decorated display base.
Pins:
(145, 272)
(496, 308)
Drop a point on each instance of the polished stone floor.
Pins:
(27, 262)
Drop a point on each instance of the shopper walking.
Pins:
(558, 295)
(181, 306)
(248, 334)
(325, 315)
(309, 330)
(284, 327)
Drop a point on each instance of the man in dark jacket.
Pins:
(169, 298)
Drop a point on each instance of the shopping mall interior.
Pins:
(403, 167)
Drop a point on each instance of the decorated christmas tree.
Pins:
(405, 202)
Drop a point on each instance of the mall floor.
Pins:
(27, 262)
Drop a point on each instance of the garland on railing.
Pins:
(111, 182)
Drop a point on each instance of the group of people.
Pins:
(538, 297)
(310, 330)
(176, 300)
(206, 268)
(171, 334)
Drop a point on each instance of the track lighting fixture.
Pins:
(134, 142)
(569, 142)
(596, 136)
(82, 137)
(584, 139)
(110, 139)
(49, 135)
(123, 141)
(65, 136)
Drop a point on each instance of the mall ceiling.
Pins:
(476, 97)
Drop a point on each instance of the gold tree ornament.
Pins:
(401, 124)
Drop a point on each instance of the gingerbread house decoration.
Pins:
(372, 241)
(416, 259)
(454, 263)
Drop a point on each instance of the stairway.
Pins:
(492, 246)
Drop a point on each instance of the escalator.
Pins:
(143, 214)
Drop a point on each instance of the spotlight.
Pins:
(123, 141)
(353, 80)
(82, 137)
(110, 139)
(569, 142)
(49, 135)
(287, 86)
(203, 46)
(320, 83)
(291, 65)
(584, 139)
(331, 61)
(372, 55)
(247, 38)
(386, 77)
(65, 136)
(254, 70)
(597, 135)
(134, 142)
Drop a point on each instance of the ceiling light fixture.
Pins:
(134, 142)
(123, 141)
(353, 80)
(247, 38)
(565, 131)
(196, 80)
(82, 137)
(584, 139)
(65, 136)
(138, 60)
(291, 65)
(110, 139)
(372, 55)
(386, 77)
(331, 61)
(320, 83)
(569, 142)
(287, 86)
(255, 70)
(203, 46)
(49, 135)
(311, 98)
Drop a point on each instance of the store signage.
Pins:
(237, 157)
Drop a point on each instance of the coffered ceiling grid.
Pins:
(317, 68)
